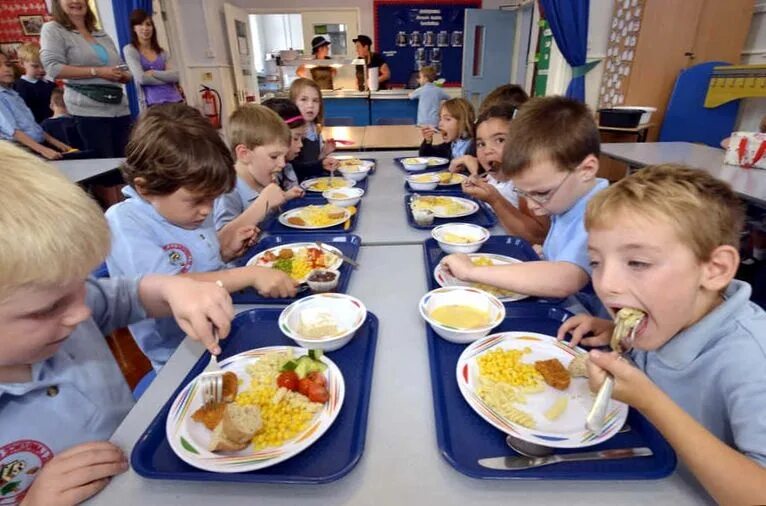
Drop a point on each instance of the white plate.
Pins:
(287, 214)
(568, 431)
(309, 184)
(334, 265)
(189, 439)
(363, 165)
(469, 205)
(435, 161)
(444, 278)
(458, 177)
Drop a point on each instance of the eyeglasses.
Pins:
(542, 198)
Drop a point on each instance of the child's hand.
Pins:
(582, 324)
(480, 189)
(330, 164)
(273, 283)
(428, 133)
(234, 245)
(198, 307)
(459, 265)
(327, 148)
(295, 192)
(76, 474)
(538, 248)
(50, 154)
(274, 195)
(465, 162)
(631, 385)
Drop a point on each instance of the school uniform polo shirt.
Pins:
(144, 242)
(460, 147)
(75, 396)
(716, 371)
(230, 205)
(16, 115)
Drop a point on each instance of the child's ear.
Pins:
(242, 153)
(139, 184)
(588, 168)
(721, 268)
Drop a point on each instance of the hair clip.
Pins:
(293, 119)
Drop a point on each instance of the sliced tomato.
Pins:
(304, 385)
(318, 393)
(289, 380)
(317, 378)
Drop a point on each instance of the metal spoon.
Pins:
(533, 450)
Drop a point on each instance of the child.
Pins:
(487, 182)
(429, 97)
(62, 394)
(292, 117)
(260, 142)
(665, 241)
(313, 158)
(32, 85)
(17, 122)
(176, 165)
(507, 94)
(553, 164)
(456, 118)
(61, 125)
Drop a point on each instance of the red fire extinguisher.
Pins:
(211, 105)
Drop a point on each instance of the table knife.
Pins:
(516, 463)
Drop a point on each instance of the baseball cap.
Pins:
(363, 40)
(318, 42)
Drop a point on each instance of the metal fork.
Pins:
(212, 376)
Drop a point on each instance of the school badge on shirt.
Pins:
(179, 256)
(20, 462)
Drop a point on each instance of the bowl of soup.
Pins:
(460, 237)
(343, 197)
(423, 182)
(461, 314)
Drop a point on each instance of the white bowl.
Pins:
(349, 312)
(433, 181)
(414, 163)
(323, 286)
(464, 296)
(467, 230)
(356, 173)
(351, 196)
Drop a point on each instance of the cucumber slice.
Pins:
(290, 365)
(305, 366)
(316, 354)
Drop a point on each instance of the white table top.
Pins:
(750, 184)
(382, 219)
(81, 170)
(401, 463)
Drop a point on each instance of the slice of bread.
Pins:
(236, 429)
(578, 366)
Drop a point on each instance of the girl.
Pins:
(313, 157)
(487, 183)
(154, 74)
(292, 117)
(456, 119)
(260, 141)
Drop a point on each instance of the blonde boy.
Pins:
(33, 87)
(61, 392)
(551, 155)
(429, 97)
(665, 241)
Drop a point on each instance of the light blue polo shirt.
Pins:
(288, 178)
(144, 242)
(16, 115)
(460, 147)
(230, 205)
(429, 97)
(77, 395)
(716, 371)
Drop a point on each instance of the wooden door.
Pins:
(722, 30)
(664, 47)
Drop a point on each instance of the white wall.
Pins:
(751, 110)
(364, 6)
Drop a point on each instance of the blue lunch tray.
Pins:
(348, 244)
(484, 217)
(507, 245)
(429, 168)
(464, 437)
(273, 227)
(330, 458)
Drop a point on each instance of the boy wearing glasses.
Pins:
(551, 154)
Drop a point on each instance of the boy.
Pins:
(429, 97)
(665, 241)
(507, 95)
(553, 164)
(17, 122)
(62, 394)
(176, 165)
(61, 125)
(32, 85)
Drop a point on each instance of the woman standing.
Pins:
(153, 72)
(88, 61)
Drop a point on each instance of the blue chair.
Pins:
(687, 119)
(144, 384)
(395, 121)
(339, 121)
(101, 271)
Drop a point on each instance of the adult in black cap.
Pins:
(322, 75)
(364, 50)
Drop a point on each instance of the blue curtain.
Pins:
(568, 20)
(122, 10)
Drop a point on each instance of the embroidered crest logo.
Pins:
(20, 462)
(179, 256)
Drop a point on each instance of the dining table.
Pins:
(401, 463)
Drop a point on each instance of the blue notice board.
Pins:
(412, 34)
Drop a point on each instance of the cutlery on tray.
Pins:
(346, 259)
(516, 463)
